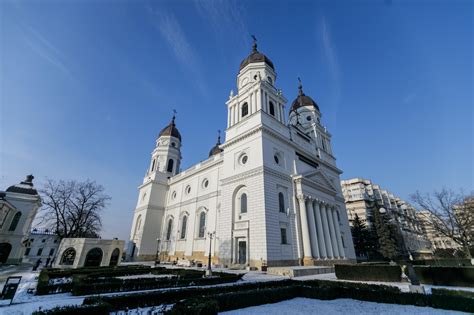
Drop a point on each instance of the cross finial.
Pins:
(174, 116)
(300, 87)
(219, 136)
(254, 46)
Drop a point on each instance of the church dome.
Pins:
(25, 187)
(216, 149)
(171, 130)
(256, 56)
(302, 100)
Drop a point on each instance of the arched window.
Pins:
(68, 256)
(243, 203)
(153, 165)
(184, 224)
(114, 258)
(272, 109)
(170, 165)
(168, 231)
(281, 202)
(137, 225)
(245, 109)
(15, 221)
(202, 224)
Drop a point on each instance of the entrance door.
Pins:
(5, 249)
(93, 258)
(242, 252)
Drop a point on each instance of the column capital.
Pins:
(302, 197)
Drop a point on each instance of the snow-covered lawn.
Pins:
(149, 275)
(302, 306)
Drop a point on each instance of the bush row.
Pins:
(119, 285)
(443, 262)
(214, 299)
(369, 272)
(104, 277)
(448, 276)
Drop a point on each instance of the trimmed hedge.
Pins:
(86, 286)
(369, 272)
(443, 262)
(214, 299)
(467, 294)
(448, 276)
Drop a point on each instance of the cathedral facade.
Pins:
(269, 194)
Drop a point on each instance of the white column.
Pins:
(251, 111)
(232, 118)
(304, 228)
(319, 229)
(255, 95)
(338, 234)
(282, 113)
(228, 117)
(327, 236)
(236, 113)
(332, 231)
(312, 229)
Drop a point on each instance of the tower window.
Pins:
(173, 195)
(269, 79)
(205, 183)
(308, 118)
(243, 203)
(245, 109)
(15, 220)
(281, 202)
(168, 232)
(183, 227)
(173, 144)
(170, 166)
(153, 165)
(277, 159)
(188, 189)
(272, 109)
(243, 159)
(202, 224)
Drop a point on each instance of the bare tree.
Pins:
(451, 215)
(72, 209)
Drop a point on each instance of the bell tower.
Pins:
(165, 162)
(256, 93)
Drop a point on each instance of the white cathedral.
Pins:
(269, 195)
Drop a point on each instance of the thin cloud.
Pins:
(226, 17)
(172, 32)
(332, 61)
(45, 49)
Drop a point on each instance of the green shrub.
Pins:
(448, 276)
(468, 294)
(442, 262)
(195, 307)
(369, 272)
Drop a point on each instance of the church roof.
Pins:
(256, 56)
(302, 100)
(170, 130)
(25, 187)
(216, 149)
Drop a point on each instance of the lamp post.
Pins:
(209, 269)
(158, 240)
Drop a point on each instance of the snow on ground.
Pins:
(26, 303)
(301, 306)
(145, 276)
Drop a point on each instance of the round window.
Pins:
(173, 195)
(244, 159)
(188, 189)
(277, 160)
(205, 183)
(173, 144)
(308, 118)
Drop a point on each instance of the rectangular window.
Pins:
(40, 251)
(27, 251)
(283, 236)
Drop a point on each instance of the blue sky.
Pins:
(85, 86)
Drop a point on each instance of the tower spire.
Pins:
(218, 136)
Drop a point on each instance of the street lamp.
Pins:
(158, 240)
(209, 269)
